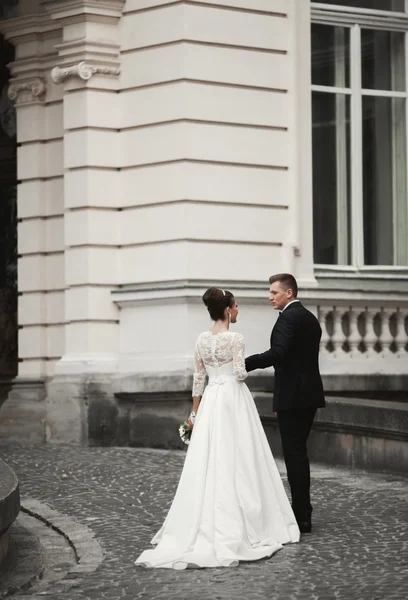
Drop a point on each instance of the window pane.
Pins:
(331, 178)
(394, 5)
(330, 55)
(384, 181)
(383, 60)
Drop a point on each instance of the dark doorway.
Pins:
(8, 221)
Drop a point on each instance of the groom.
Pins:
(294, 353)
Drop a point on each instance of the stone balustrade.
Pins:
(363, 335)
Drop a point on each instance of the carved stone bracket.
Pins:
(27, 91)
(82, 70)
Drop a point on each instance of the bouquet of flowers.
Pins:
(185, 431)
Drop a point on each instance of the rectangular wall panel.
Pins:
(232, 66)
(204, 181)
(189, 220)
(203, 102)
(205, 142)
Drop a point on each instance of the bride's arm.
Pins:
(196, 403)
(191, 418)
(198, 380)
(239, 357)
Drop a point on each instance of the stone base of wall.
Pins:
(152, 420)
(71, 403)
(22, 411)
(105, 410)
(376, 386)
(352, 432)
(146, 410)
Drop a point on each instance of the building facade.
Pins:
(152, 148)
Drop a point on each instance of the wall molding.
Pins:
(336, 15)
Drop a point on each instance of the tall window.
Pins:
(359, 98)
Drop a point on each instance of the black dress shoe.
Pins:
(305, 526)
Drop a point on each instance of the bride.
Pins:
(230, 504)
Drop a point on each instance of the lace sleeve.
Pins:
(199, 374)
(239, 358)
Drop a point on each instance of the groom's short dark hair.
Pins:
(287, 281)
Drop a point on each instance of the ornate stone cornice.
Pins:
(87, 51)
(28, 28)
(68, 9)
(37, 34)
(27, 91)
(82, 70)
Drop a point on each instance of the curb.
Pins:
(87, 550)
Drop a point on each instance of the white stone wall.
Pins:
(205, 146)
(215, 163)
(191, 168)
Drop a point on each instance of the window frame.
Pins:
(356, 19)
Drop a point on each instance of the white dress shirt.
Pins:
(288, 304)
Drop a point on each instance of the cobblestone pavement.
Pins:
(358, 548)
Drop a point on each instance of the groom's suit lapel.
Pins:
(290, 307)
(273, 328)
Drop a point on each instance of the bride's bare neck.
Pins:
(220, 326)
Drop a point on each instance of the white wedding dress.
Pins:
(230, 504)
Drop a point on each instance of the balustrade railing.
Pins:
(362, 337)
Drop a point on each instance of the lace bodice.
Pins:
(216, 351)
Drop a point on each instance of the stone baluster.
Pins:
(338, 337)
(400, 336)
(323, 312)
(386, 337)
(354, 337)
(370, 337)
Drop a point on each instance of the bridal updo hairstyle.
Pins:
(216, 301)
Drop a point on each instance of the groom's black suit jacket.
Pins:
(294, 353)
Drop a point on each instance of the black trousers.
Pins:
(294, 426)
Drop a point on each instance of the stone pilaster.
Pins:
(40, 220)
(87, 73)
(40, 193)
